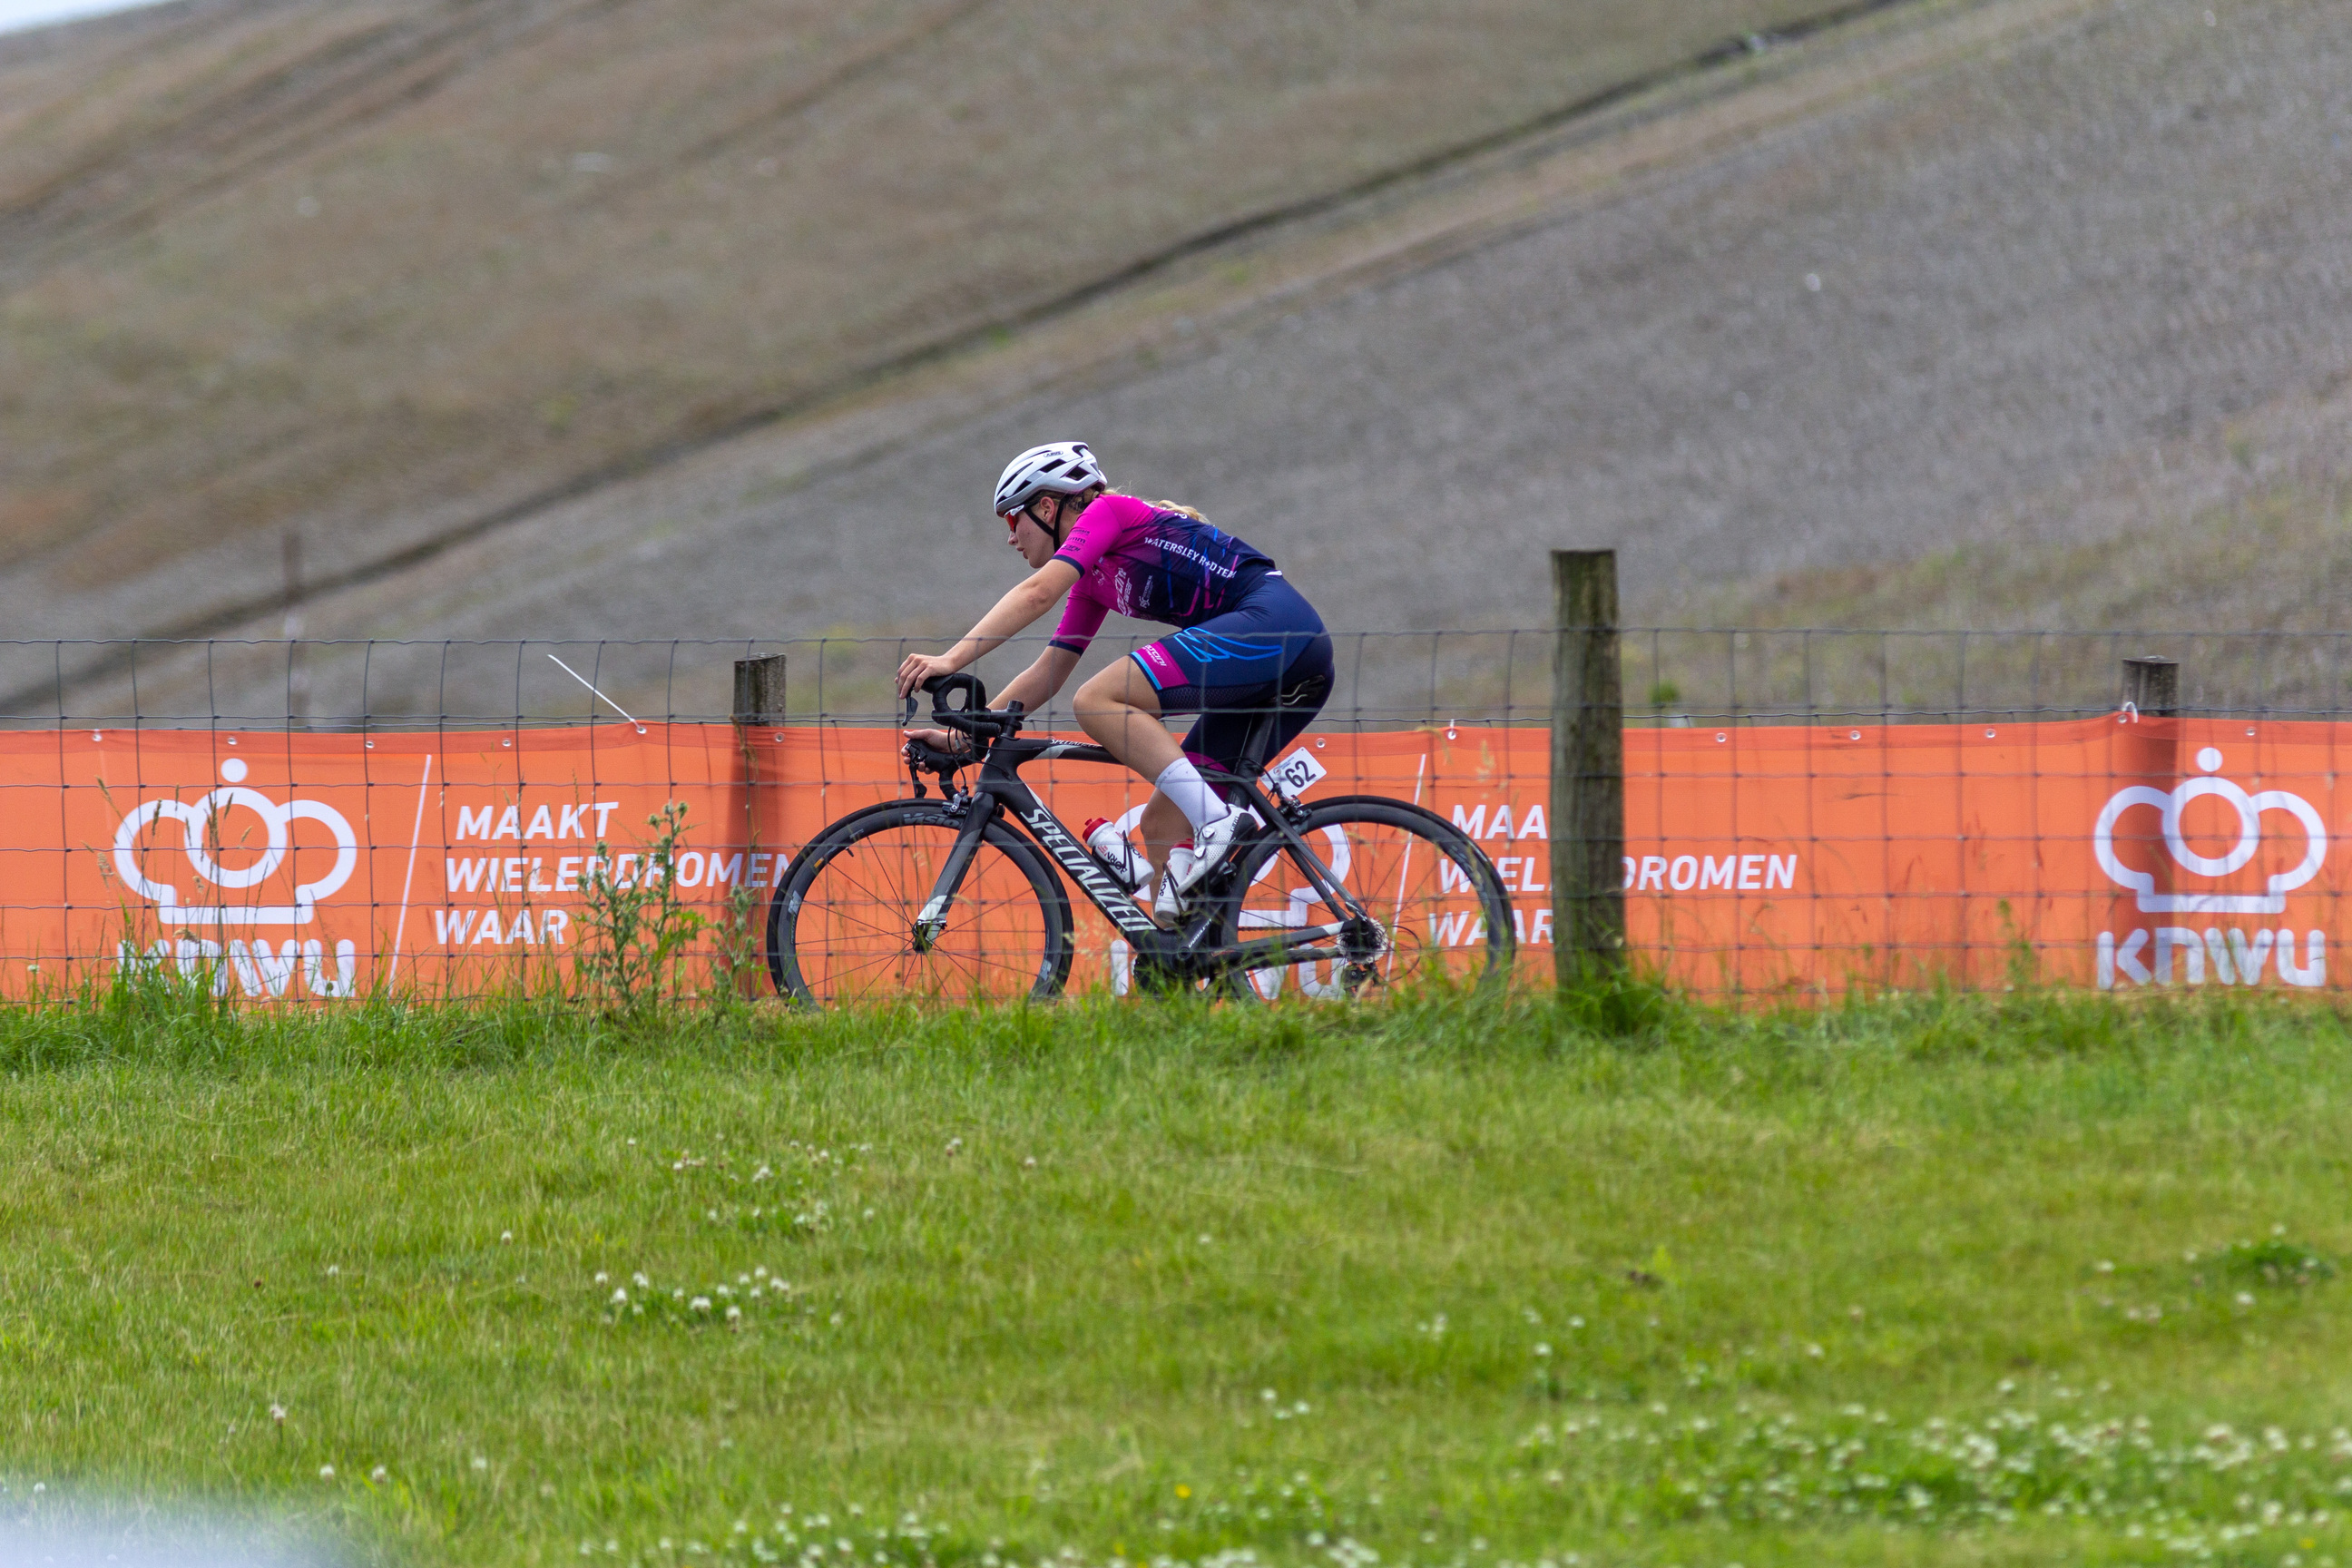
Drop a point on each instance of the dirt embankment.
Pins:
(1967, 313)
(387, 270)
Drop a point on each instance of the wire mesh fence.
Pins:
(1676, 676)
(1805, 811)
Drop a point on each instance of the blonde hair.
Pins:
(1177, 506)
(1089, 498)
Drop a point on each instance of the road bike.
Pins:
(962, 899)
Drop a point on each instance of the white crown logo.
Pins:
(2250, 809)
(208, 811)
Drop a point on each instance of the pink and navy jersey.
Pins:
(1153, 565)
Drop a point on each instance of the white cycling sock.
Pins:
(1181, 782)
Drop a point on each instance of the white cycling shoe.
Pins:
(1190, 862)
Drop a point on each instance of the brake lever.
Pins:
(906, 749)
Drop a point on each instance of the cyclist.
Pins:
(1247, 641)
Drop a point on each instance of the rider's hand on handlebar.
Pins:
(946, 741)
(920, 668)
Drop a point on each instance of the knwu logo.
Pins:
(204, 822)
(2237, 957)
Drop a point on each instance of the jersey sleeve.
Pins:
(1107, 520)
(1082, 616)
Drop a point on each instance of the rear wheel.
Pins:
(1436, 905)
(842, 928)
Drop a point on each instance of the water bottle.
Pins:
(1118, 855)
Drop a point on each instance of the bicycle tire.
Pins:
(841, 924)
(1456, 925)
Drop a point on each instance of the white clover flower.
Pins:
(1542, 1349)
(639, 1280)
(699, 1304)
(481, 1463)
(506, 1235)
(278, 1414)
(333, 1270)
(326, 1472)
(602, 1277)
(760, 1273)
(734, 1314)
(379, 1474)
(620, 1296)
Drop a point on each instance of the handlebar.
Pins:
(973, 717)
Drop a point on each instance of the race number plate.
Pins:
(1297, 772)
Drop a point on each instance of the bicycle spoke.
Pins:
(1437, 913)
(854, 933)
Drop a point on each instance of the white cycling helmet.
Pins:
(1057, 467)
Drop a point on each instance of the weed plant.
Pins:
(636, 930)
(1604, 1277)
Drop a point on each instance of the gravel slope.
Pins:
(2039, 269)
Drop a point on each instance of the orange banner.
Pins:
(311, 867)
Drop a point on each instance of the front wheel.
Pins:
(1438, 904)
(842, 928)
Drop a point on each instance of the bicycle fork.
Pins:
(931, 924)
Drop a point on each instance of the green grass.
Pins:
(2040, 1279)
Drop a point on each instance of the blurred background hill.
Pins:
(634, 318)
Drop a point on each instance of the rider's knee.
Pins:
(1102, 693)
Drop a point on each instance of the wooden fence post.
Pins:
(1588, 768)
(759, 691)
(2146, 756)
(2152, 686)
(759, 707)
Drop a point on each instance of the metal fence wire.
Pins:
(1805, 811)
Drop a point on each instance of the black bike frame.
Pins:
(999, 792)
